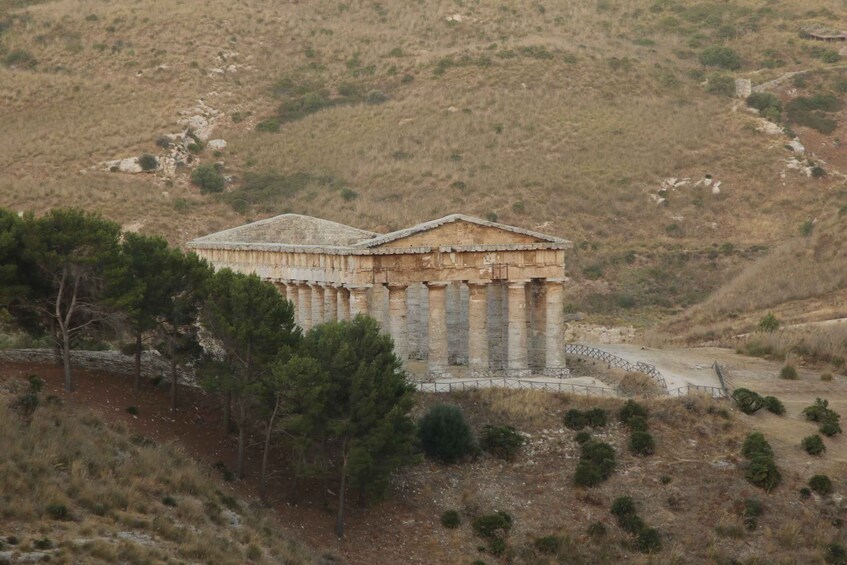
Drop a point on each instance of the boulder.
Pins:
(216, 144)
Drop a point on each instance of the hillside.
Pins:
(692, 489)
(583, 121)
(79, 488)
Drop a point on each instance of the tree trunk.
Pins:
(57, 343)
(174, 379)
(66, 360)
(339, 519)
(263, 480)
(138, 359)
(242, 438)
(227, 412)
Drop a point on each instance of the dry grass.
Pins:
(113, 486)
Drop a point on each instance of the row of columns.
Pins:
(317, 303)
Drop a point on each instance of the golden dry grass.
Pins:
(114, 487)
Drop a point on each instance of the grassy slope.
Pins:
(559, 117)
(113, 485)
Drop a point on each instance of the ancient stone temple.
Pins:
(458, 291)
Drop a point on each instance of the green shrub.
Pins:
(755, 445)
(597, 529)
(762, 101)
(642, 443)
(58, 512)
(492, 525)
(596, 417)
(502, 442)
(597, 463)
(630, 409)
(774, 406)
(42, 544)
(208, 179)
(649, 540)
(811, 111)
(817, 412)
(719, 56)
(720, 84)
(763, 473)
(830, 428)
(348, 195)
(148, 162)
(631, 523)
(575, 419)
(753, 508)
(622, 506)
(813, 444)
(450, 519)
(445, 435)
(271, 125)
(133, 410)
(821, 484)
(637, 424)
(788, 372)
(549, 545)
(20, 58)
(805, 493)
(769, 323)
(582, 437)
(747, 401)
(835, 554)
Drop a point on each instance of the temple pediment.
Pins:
(458, 231)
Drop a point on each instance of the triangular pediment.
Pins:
(458, 231)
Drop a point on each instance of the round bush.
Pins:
(502, 442)
(835, 554)
(582, 437)
(774, 405)
(642, 443)
(830, 428)
(630, 409)
(148, 162)
(805, 493)
(747, 401)
(596, 417)
(637, 424)
(451, 519)
(756, 444)
(445, 435)
(622, 506)
(548, 544)
(719, 56)
(821, 484)
(813, 444)
(649, 541)
(763, 473)
(597, 529)
(208, 179)
(788, 372)
(575, 419)
(490, 525)
(631, 523)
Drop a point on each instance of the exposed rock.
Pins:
(716, 188)
(455, 18)
(769, 128)
(796, 146)
(128, 165)
(743, 87)
(216, 144)
(232, 518)
(136, 537)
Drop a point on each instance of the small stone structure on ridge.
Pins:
(453, 291)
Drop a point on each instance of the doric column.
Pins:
(437, 357)
(517, 363)
(554, 357)
(330, 303)
(343, 303)
(478, 326)
(304, 306)
(317, 304)
(397, 320)
(358, 300)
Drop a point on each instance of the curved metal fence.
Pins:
(613, 360)
(713, 391)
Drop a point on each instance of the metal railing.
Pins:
(713, 391)
(613, 360)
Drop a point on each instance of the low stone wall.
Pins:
(152, 364)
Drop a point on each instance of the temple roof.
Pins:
(290, 229)
(308, 234)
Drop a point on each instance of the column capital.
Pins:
(478, 283)
(397, 286)
(518, 283)
(437, 284)
(358, 287)
(562, 280)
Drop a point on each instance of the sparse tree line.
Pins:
(336, 398)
